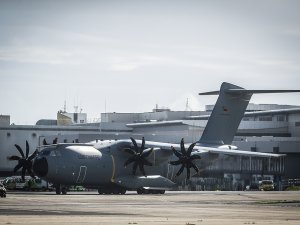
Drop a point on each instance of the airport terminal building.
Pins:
(264, 128)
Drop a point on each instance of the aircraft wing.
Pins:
(166, 148)
(236, 152)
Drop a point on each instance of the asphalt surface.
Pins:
(174, 208)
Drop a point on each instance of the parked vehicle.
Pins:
(2, 191)
(36, 184)
(29, 184)
(266, 185)
(15, 183)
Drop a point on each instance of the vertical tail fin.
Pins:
(228, 113)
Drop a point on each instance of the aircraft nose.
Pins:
(40, 166)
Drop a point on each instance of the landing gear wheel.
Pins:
(116, 191)
(58, 190)
(112, 191)
(146, 191)
(107, 191)
(140, 191)
(64, 190)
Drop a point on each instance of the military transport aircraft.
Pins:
(120, 165)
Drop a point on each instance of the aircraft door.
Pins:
(82, 174)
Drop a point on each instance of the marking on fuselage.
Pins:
(81, 174)
(113, 168)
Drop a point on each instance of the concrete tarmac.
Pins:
(176, 208)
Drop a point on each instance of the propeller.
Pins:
(138, 156)
(185, 159)
(24, 162)
(53, 142)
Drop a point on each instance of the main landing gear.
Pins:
(61, 189)
(142, 191)
(112, 191)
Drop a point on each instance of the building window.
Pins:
(297, 124)
(253, 149)
(265, 118)
(280, 118)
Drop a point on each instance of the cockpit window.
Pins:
(51, 153)
(55, 153)
(46, 152)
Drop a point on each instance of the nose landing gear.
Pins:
(59, 189)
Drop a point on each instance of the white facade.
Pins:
(256, 132)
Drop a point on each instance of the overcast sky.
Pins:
(135, 54)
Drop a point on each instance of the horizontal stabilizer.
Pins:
(244, 91)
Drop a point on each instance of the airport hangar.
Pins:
(265, 128)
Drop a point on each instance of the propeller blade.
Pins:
(195, 157)
(178, 154)
(188, 173)
(14, 157)
(175, 163)
(143, 145)
(190, 149)
(195, 167)
(30, 173)
(180, 171)
(185, 159)
(135, 145)
(54, 141)
(138, 156)
(20, 150)
(130, 151)
(182, 148)
(45, 142)
(27, 149)
(33, 155)
(128, 161)
(23, 173)
(147, 152)
(17, 167)
(134, 167)
(24, 162)
(141, 166)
